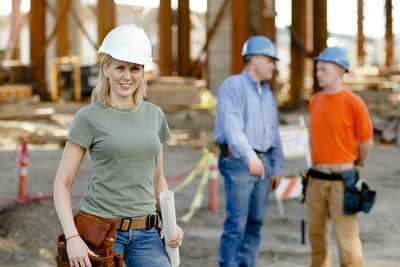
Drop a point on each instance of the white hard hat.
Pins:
(128, 43)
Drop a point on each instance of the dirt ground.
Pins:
(28, 230)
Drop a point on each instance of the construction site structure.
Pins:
(185, 43)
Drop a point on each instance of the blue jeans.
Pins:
(141, 248)
(246, 206)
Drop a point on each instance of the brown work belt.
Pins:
(125, 224)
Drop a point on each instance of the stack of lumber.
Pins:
(179, 98)
(359, 83)
(175, 92)
(12, 92)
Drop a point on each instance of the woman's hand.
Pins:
(176, 240)
(78, 252)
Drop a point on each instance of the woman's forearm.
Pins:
(65, 177)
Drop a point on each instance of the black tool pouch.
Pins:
(356, 200)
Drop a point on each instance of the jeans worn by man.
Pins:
(246, 206)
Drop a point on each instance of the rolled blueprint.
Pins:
(169, 224)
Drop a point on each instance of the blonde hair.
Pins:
(102, 90)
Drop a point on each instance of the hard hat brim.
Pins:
(251, 54)
(330, 61)
(135, 60)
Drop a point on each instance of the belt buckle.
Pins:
(150, 221)
(121, 227)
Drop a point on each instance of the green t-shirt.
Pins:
(124, 145)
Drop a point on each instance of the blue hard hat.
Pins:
(335, 55)
(259, 45)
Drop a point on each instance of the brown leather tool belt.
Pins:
(125, 224)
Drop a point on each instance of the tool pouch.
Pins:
(114, 260)
(356, 200)
(99, 234)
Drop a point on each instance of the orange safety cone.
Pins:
(213, 185)
(23, 164)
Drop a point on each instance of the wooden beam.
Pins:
(240, 33)
(105, 19)
(165, 38)
(297, 55)
(37, 35)
(17, 18)
(62, 45)
(80, 25)
(360, 34)
(267, 28)
(320, 32)
(267, 19)
(389, 33)
(78, 22)
(183, 38)
(63, 13)
(214, 26)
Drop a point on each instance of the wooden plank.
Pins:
(17, 17)
(61, 16)
(174, 91)
(12, 92)
(211, 30)
(297, 55)
(37, 37)
(389, 33)
(165, 38)
(267, 27)
(78, 21)
(105, 19)
(267, 19)
(183, 38)
(239, 34)
(62, 44)
(360, 34)
(320, 32)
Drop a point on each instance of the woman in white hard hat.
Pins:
(124, 136)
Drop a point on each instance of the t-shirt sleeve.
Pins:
(80, 131)
(163, 130)
(364, 129)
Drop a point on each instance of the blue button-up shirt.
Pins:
(247, 119)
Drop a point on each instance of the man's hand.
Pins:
(256, 168)
(275, 180)
(360, 170)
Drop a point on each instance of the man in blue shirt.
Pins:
(251, 161)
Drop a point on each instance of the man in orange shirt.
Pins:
(341, 138)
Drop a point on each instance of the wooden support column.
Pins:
(37, 24)
(105, 19)
(183, 38)
(165, 38)
(297, 54)
(267, 28)
(267, 19)
(389, 33)
(239, 33)
(62, 45)
(360, 34)
(320, 33)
